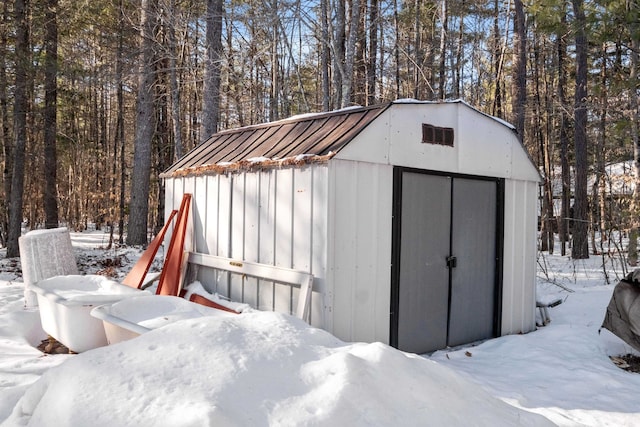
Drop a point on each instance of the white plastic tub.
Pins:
(44, 254)
(131, 317)
(65, 305)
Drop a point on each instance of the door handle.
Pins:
(452, 262)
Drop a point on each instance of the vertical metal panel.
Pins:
(284, 234)
(199, 213)
(359, 250)
(223, 231)
(518, 295)
(210, 232)
(223, 225)
(473, 243)
(251, 234)
(302, 218)
(373, 252)
(177, 190)
(423, 294)
(169, 197)
(302, 223)
(343, 235)
(189, 187)
(319, 227)
(237, 236)
(284, 217)
(267, 233)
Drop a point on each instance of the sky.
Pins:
(261, 368)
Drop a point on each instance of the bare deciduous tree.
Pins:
(139, 205)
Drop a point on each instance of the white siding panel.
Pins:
(485, 146)
(251, 234)
(223, 230)
(361, 250)
(319, 224)
(267, 205)
(284, 217)
(518, 302)
(238, 222)
(212, 213)
(343, 242)
(177, 191)
(223, 224)
(302, 216)
(284, 233)
(523, 167)
(199, 212)
(169, 197)
(190, 188)
(208, 278)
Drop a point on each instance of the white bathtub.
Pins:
(134, 316)
(65, 305)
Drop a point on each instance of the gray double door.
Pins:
(446, 261)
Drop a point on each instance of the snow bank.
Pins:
(257, 369)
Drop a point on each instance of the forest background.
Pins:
(97, 98)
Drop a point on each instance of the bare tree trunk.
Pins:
(338, 44)
(325, 54)
(350, 55)
(564, 142)
(459, 54)
(547, 218)
(360, 64)
(21, 12)
(50, 112)
(175, 88)
(120, 139)
(443, 50)
(599, 188)
(497, 62)
(373, 51)
(635, 139)
(5, 137)
(520, 95)
(211, 91)
(396, 47)
(418, 93)
(140, 181)
(580, 247)
(274, 94)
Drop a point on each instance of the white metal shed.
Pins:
(417, 220)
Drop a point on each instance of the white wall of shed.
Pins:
(276, 217)
(483, 146)
(359, 274)
(520, 249)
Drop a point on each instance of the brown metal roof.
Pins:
(318, 135)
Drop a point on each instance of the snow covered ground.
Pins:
(262, 368)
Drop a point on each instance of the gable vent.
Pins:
(437, 135)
